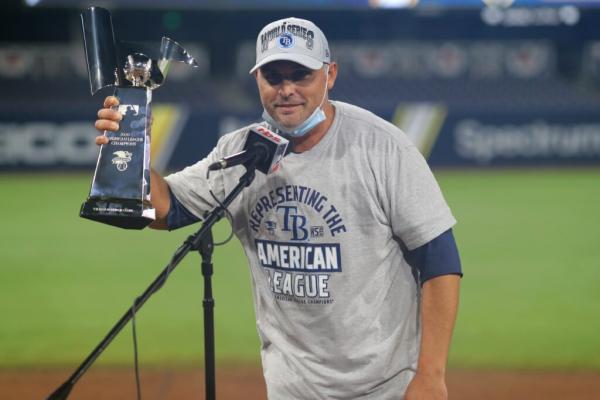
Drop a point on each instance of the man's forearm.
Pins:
(439, 306)
(161, 200)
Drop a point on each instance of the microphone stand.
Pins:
(200, 241)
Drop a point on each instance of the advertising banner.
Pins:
(447, 137)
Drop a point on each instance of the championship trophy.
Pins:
(120, 192)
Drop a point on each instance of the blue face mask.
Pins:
(309, 123)
(315, 119)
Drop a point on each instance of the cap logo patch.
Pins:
(285, 40)
(286, 35)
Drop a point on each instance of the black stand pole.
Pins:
(193, 242)
(208, 303)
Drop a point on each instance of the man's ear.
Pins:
(332, 74)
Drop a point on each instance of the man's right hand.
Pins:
(108, 119)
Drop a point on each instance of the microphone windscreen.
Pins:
(276, 146)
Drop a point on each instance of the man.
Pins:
(354, 268)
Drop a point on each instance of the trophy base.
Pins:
(127, 214)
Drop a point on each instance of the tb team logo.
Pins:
(292, 224)
(297, 224)
(286, 40)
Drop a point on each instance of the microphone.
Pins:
(244, 157)
(263, 148)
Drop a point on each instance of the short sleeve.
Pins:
(192, 187)
(415, 205)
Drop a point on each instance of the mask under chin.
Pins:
(300, 130)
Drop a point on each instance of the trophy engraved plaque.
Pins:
(120, 192)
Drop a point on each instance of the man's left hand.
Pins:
(426, 388)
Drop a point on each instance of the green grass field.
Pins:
(529, 240)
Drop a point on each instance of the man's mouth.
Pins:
(287, 105)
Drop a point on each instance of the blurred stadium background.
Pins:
(503, 99)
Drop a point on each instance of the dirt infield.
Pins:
(248, 384)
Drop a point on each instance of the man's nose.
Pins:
(287, 88)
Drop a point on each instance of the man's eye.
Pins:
(274, 79)
(299, 75)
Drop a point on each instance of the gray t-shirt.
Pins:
(337, 306)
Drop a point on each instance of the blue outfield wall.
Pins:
(456, 139)
(462, 140)
(528, 139)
